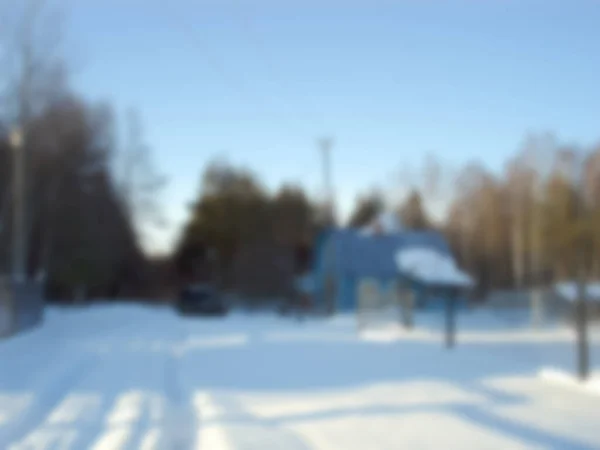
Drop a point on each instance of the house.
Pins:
(385, 259)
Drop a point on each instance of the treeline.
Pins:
(80, 229)
(243, 238)
(534, 222)
(83, 193)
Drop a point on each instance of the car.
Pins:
(201, 299)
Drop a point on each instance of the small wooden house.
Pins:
(347, 260)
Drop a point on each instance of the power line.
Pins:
(325, 144)
(248, 26)
(216, 64)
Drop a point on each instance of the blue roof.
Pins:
(359, 254)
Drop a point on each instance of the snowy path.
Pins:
(129, 377)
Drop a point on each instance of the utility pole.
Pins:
(18, 232)
(583, 351)
(18, 135)
(451, 320)
(325, 144)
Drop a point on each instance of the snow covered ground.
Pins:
(132, 377)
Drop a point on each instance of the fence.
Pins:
(523, 305)
(21, 305)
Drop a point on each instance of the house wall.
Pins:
(347, 300)
(324, 267)
(425, 298)
(347, 292)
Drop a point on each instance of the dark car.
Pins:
(201, 299)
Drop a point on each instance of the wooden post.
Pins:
(408, 308)
(583, 351)
(451, 320)
(406, 302)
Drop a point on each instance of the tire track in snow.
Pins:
(182, 421)
(49, 391)
(135, 384)
(180, 417)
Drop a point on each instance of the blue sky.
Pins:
(258, 82)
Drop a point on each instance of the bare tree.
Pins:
(592, 187)
(538, 156)
(519, 192)
(466, 184)
(433, 179)
(139, 181)
(28, 48)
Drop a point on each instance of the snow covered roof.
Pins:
(568, 290)
(431, 267)
(360, 255)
